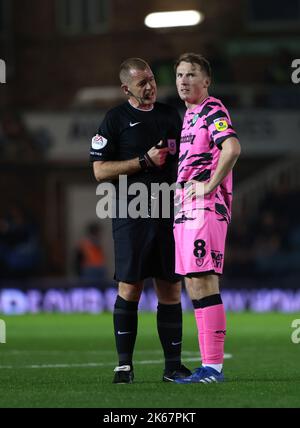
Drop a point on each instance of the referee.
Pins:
(140, 139)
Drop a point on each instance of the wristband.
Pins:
(143, 163)
(149, 160)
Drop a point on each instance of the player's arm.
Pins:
(230, 152)
(110, 170)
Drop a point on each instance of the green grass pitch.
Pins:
(53, 360)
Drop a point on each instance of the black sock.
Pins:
(169, 327)
(125, 326)
(214, 299)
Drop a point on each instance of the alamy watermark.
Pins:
(156, 200)
(2, 332)
(295, 337)
(2, 71)
(296, 73)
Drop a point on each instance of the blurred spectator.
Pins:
(267, 245)
(239, 260)
(267, 254)
(20, 251)
(89, 257)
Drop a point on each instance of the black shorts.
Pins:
(144, 248)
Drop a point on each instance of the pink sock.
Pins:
(214, 327)
(200, 325)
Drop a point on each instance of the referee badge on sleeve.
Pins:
(172, 147)
(221, 124)
(98, 142)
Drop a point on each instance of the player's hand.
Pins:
(193, 191)
(158, 155)
(207, 189)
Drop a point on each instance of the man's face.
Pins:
(191, 82)
(142, 84)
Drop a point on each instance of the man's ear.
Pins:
(125, 89)
(206, 82)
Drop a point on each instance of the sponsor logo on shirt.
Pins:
(189, 139)
(98, 142)
(217, 257)
(221, 124)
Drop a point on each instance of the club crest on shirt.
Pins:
(200, 261)
(98, 142)
(195, 118)
(221, 124)
(172, 147)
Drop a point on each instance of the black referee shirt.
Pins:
(127, 132)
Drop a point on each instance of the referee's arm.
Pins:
(110, 170)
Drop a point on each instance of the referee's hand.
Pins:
(158, 155)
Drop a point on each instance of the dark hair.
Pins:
(193, 58)
(131, 64)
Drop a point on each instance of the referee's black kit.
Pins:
(144, 247)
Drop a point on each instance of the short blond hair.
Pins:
(131, 64)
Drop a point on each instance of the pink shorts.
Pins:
(200, 236)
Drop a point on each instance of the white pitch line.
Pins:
(65, 366)
(83, 352)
